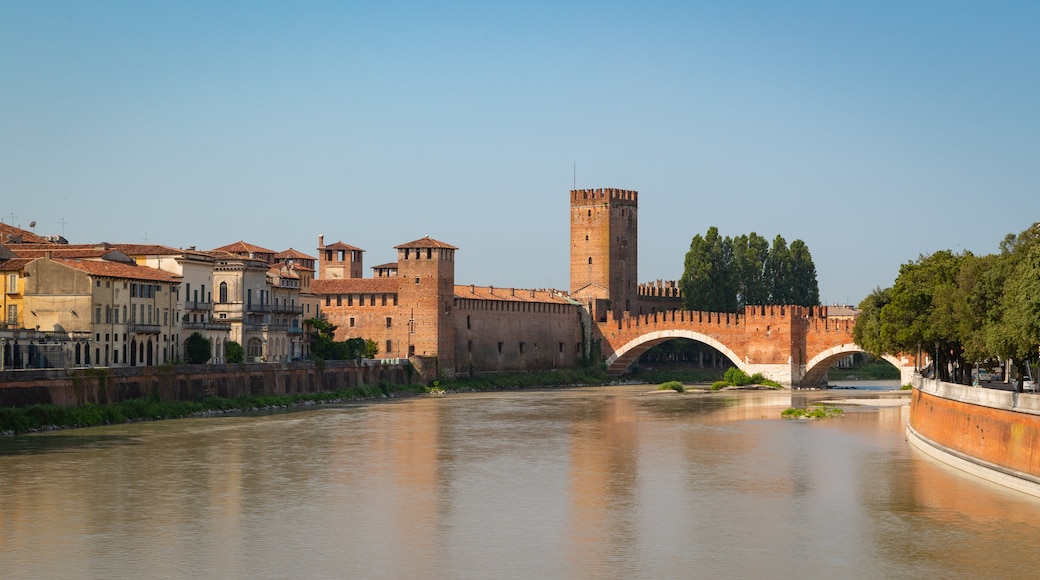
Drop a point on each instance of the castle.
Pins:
(135, 305)
(414, 309)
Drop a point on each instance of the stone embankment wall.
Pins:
(76, 387)
(991, 433)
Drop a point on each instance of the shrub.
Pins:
(671, 385)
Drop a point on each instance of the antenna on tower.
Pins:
(575, 186)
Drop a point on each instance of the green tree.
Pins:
(1021, 305)
(921, 314)
(804, 288)
(707, 280)
(233, 352)
(867, 332)
(725, 275)
(778, 272)
(750, 253)
(197, 349)
(371, 349)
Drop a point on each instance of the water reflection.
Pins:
(601, 482)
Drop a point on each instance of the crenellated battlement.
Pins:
(672, 318)
(659, 289)
(598, 196)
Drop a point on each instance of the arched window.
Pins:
(590, 259)
(223, 293)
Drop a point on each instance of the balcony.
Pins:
(275, 308)
(238, 307)
(266, 327)
(218, 326)
(144, 328)
(196, 306)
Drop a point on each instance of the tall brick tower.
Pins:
(426, 270)
(604, 237)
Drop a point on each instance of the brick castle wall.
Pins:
(500, 335)
(188, 382)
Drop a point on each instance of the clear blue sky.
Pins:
(873, 131)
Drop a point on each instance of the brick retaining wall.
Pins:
(77, 387)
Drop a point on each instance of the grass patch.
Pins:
(814, 411)
(671, 386)
(735, 377)
(494, 382)
(685, 375)
(41, 417)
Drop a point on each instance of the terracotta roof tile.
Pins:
(387, 266)
(355, 285)
(119, 270)
(14, 265)
(295, 254)
(474, 292)
(11, 234)
(241, 247)
(425, 242)
(341, 246)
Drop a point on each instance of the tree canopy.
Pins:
(723, 274)
(960, 308)
(197, 349)
(325, 346)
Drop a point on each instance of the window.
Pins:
(500, 347)
(389, 322)
(416, 279)
(328, 300)
(223, 293)
(561, 348)
(521, 348)
(339, 300)
(469, 346)
(395, 299)
(12, 314)
(467, 322)
(384, 299)
(389, 347)
(97, 283)
(97, 315)
(12, 283)
(352, 322)
(411, 350)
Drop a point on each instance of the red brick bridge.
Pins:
(793, 345)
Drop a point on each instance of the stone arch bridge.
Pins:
(793, 345)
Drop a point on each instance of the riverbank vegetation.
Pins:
(44, 417)
(735, 377)
(814, 411)
(522, 380)
(960, 308)
(671, 386)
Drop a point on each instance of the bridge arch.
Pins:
(623, 357)
(816, 368)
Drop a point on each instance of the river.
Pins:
(603, 482)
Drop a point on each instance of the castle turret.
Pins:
(426, 269)
(339, 260)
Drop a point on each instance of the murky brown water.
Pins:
(605, 482)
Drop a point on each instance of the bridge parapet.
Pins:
(783, 342)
